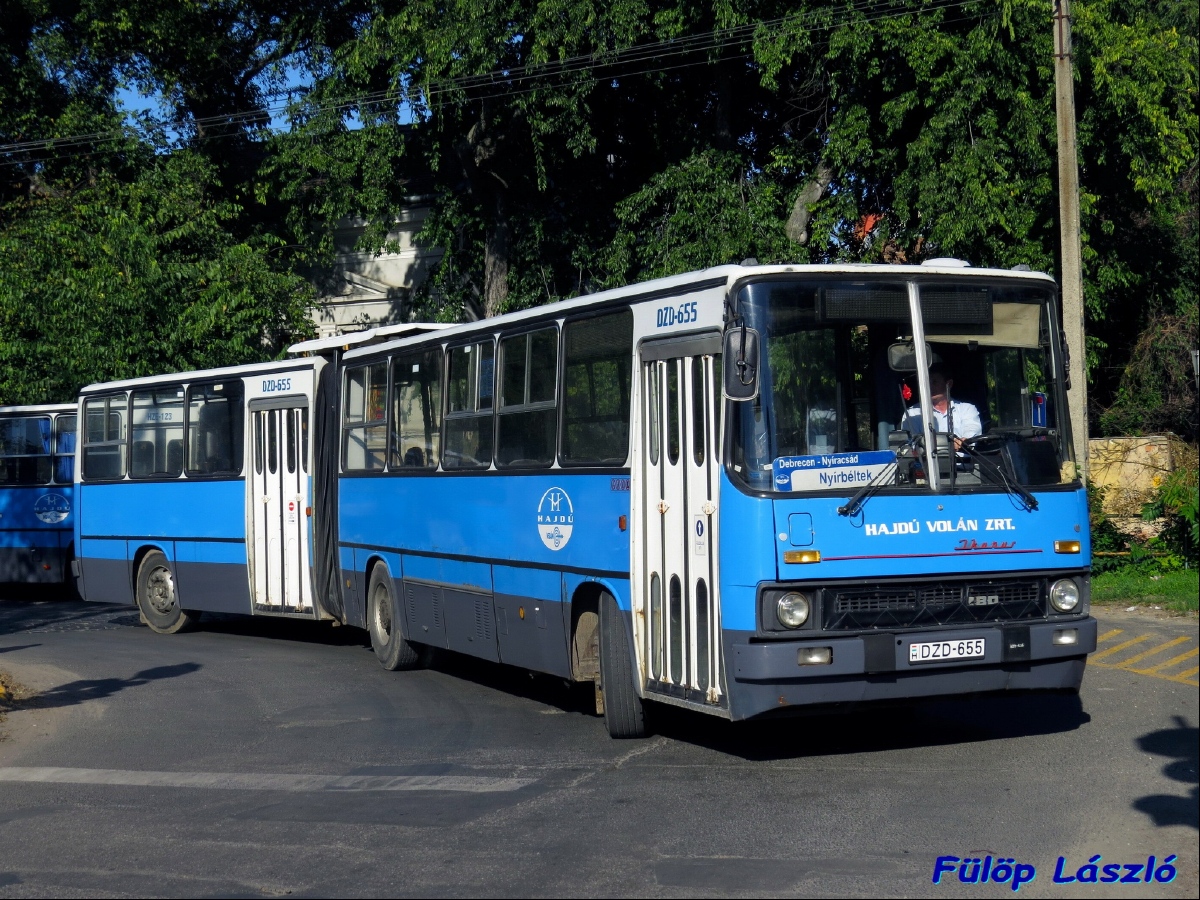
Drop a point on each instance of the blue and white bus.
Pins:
(738, 491)
(37, 458)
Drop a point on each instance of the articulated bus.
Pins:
(37, 486)
(741, 490)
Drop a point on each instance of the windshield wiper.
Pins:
(999, 476)
(852, 505)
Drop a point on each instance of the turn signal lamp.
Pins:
(1066, 546)
(801, 556)
(1066, 636)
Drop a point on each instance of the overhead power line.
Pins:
(638, 60)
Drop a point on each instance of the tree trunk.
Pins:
(495, 260)
(797, 223)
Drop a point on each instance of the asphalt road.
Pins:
(264, 758)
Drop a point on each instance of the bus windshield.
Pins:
(832, 413)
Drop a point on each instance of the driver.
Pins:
(954, 416)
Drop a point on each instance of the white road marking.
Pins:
(244, 781)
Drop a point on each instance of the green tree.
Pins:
(117, 279)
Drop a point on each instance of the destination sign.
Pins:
(830, 471)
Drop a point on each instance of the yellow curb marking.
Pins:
(1119, 647)
(1159, 649)
(1109, 634)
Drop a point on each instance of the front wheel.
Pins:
(383, 621)
(156, 597)
(624, 712)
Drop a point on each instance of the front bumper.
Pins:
(765, 675)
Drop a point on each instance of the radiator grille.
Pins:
(936, 603)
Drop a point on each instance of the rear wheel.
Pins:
(156, 597)
(384, 623)
(624, 712)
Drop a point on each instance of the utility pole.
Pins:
(1071, 270)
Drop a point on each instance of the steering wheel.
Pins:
(985, 443)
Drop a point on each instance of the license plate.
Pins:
(940, 651)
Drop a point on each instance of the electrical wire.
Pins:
(509, 82)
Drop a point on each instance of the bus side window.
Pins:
(215, 423)
(417, 409)
(157, 433)
(104, 438)
(25, 450)
(364, 431)
(469, 389)
(526, 420)
(64, 448)
(597, 363)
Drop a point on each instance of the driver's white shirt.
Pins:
(965, 415)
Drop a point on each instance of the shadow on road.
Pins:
(1182, 743)
(74, 693)
(863, 729)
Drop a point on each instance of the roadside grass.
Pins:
(1174, 590)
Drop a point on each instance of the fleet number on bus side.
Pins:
(272, 385)
(682, 314)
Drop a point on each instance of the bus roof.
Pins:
(370, 336)
(704, 279)
(36, 408)
(200, 375)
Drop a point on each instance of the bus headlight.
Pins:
(1064, 595)
(792, 609)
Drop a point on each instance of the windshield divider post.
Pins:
(928, 423)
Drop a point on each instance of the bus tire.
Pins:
(157, 600)
(624, 712)
(384, 622)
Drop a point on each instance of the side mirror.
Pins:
(740, 364)
(902, 356)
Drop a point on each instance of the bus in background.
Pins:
(37, 458)
(739, 491)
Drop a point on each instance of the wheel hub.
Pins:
(160, 590)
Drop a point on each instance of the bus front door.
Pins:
(279, 496)
(679, 490)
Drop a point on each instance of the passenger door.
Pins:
(679, 392)
(279, 497)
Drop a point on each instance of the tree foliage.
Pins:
(115, 280)
(566, 145)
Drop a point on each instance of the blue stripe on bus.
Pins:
(99, 548)
(170, 509)
(41, 537)
(217, 552)
(493, 518)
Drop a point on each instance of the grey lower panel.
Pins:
(33, 565)
(766, 676)
(213, 587)
(470, 625)
(425, 613)
(539, 640)
(106, 580)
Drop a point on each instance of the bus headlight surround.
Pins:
(1064, 595)
(792, 609)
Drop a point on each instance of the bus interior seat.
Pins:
(143, 459)
(101, 463)
(175, 456)
(414, 457)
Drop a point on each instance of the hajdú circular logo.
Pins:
(52, 508)
(555, 518)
